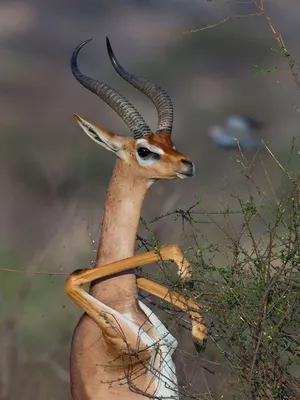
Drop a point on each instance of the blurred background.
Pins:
(53, 179)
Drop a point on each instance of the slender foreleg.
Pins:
(119, 332)
(199, 330)
(108, 319)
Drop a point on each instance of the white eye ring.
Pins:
(146, 158)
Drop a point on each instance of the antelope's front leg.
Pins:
(199, 329)
(120, 333)
(168, 253)
(174, 253)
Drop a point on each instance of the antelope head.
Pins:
(150, 155)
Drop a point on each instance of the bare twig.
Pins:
(222, 21)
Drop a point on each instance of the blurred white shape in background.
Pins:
(238, 131)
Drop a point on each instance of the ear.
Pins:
(101, 136)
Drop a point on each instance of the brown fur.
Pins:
(100, 369)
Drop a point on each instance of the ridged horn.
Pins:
(115, 100)
(156, 94)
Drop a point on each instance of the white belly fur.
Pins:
(163, 344)
(167, 381)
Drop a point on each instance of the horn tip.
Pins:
(85, 42)
(78, 48)
(111, 54)
(108, 46)
(73, 60)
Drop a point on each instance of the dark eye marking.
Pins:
(155, 156)
(143, 152)
(147, 154)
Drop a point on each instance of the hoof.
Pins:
(200, 345)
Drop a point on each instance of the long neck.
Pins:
(121, 216)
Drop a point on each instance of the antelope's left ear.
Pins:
(101, 136)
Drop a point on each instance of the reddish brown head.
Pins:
(151, 155)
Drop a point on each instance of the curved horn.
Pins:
(156, 94)
(115, 100)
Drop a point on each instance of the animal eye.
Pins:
(143, 152)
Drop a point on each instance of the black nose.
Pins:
(187, 162)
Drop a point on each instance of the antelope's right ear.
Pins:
(101, 136)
